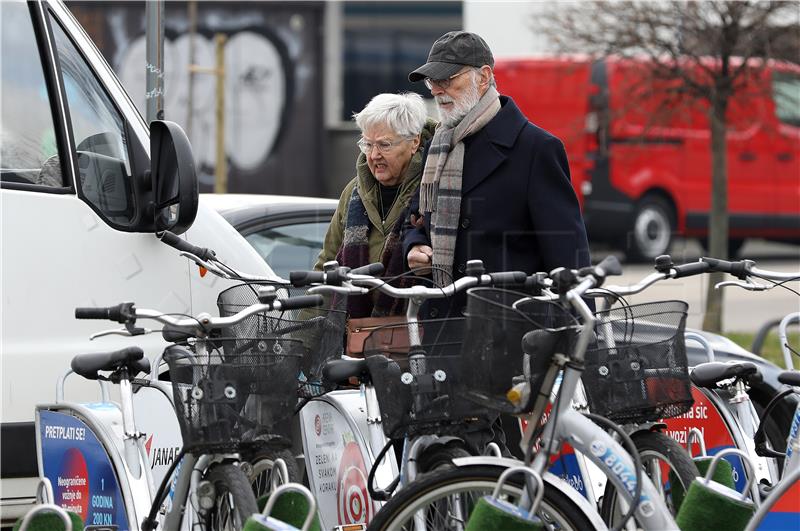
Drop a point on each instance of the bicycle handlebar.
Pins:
(746, 268)
(691, 269)
(120, 313)
(667, 270)
(355, 282)
(195, 326)
(175, 241)
(374, 270)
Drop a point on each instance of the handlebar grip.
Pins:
(509, 278)
(536, 282)
(715, 264)
(693, 268)
(120, 313)
(737, 269)
(305, 278)
(303, 301)
(93, 313)
(374, 270)
(180, 244)
(610, 265)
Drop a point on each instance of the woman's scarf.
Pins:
(354, 252)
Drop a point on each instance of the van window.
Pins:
(98, 130)
(28, 149)
(786, 92)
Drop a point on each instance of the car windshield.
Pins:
(290, 247)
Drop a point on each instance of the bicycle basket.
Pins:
(496, 321)
(428, 402)
(637, 370)
(239, 392)
(319, 330)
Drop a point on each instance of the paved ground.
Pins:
(744, 311)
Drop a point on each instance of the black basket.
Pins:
(320, 330)
(637, 369)
(240, 393)
(431, 402)
(497, 320)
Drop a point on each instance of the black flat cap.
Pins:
(450, 53)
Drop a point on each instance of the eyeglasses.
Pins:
(384, 146)
(443, 84)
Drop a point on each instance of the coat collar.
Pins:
(488, 147)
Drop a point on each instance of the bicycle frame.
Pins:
(792, 462)
(567, 425)
(102, 453)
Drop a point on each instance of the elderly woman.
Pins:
(372, 208)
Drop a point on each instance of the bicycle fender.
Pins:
(550, 480)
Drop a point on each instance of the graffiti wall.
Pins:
(273, 85)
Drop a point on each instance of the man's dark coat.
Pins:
(518, 208)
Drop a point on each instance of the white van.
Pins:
(80, 203)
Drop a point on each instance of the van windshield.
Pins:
(786, 92)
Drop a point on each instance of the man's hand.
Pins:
(420, 256)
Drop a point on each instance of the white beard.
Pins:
(470, 98)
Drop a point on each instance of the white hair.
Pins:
(404, 113)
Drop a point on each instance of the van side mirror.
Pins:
(174, 177)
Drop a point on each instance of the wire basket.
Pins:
(320, 330)
(496, 321)
(429, 401)
(239, 393)
(637, 369)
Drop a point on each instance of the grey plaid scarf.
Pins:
(440, 189)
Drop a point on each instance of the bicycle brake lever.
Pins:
(120, 332)
(206, 265)
(750, 286)
(345, 290)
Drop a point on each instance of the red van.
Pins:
(642, 166)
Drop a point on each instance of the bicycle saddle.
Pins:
(339, 371)
(790, 378)
(133, 358)
(710, 373)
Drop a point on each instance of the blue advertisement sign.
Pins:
(81, 472)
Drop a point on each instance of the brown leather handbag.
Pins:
(393, 339)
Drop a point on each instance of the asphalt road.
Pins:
(744, 311)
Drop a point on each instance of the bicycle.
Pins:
(337, 439)
(222, 408)
(788, 487)
(621, 335)
(450, 493)
(420, 406)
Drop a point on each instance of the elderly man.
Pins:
(495, 187)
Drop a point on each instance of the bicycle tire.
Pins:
(234, 502)
(653, 447)
(441, 456)
(477, 480)
(261, 468)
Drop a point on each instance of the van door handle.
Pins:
(747, 156)
(784, 157)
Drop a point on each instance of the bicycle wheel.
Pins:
(440, 456)
(262, 467)
(235, 502)
(660, 454)
(446, 497)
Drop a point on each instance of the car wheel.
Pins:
(653, 228)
